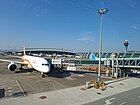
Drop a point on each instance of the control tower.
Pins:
(126, 45)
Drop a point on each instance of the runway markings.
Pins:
(80, 75)
(9, 88)
(10, 91)
(122, 103)
(70, 78)
(4, 82)
(109, 101)
(8, 84)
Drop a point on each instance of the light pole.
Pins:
(101, 13)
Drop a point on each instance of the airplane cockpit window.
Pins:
(45, 64)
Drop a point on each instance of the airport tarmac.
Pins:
(26, 82)
(122, 92)
(67, 88)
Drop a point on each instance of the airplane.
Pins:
(93, 57)
(32, 62)
(2, 53)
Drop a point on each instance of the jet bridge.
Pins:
(128, 63)
(123, 66)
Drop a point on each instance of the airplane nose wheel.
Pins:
(43, 75)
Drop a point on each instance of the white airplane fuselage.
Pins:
(37, 63)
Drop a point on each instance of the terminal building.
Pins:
(45, 52)
(48, 52)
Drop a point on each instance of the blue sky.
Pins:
(69, 24)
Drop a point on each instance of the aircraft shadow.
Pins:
(66, 73)
(24, 71)
(81, 72)
(134, 75)
(58, 74)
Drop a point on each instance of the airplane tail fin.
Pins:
(92, 56)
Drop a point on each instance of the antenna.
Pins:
(24, 53)
(102, 3)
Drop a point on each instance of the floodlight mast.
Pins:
(101, 13)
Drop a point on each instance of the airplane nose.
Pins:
(47, 69)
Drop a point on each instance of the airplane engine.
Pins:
(12, 66)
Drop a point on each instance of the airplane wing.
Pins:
(17, 62)
(17, 56)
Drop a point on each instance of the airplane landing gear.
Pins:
(43, 75)
(21, 67)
